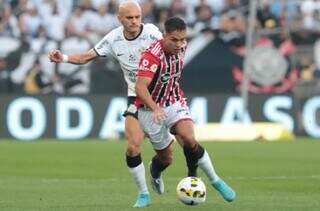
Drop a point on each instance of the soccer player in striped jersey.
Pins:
(125, 44)
(162, 106)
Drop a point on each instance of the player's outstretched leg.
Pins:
(223, 188)
(197, 156)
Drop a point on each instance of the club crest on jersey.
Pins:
(145, 62)
(132, 58)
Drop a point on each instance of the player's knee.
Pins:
(166, 160)
(188, 140)
(134, 145)
(133, 150)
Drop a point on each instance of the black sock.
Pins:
(157, 167)
(192, 156)
(133, 161)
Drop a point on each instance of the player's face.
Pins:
(130, 18)
(175, 40)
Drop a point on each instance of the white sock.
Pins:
(206, 165)
(138, 174)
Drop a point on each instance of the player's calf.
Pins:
(156, 166)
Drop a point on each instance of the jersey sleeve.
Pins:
(103, 47)
(148, 65)
(156, 33)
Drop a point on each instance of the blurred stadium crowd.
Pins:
(33, 22)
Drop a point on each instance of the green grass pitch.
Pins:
(91, 175)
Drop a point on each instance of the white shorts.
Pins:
(159, 133)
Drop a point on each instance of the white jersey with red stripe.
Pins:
(127, 52)
(165, 70)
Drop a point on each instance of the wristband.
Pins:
(65, 58)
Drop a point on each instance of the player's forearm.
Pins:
(143, 93)
(78, 59)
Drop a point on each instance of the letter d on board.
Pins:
(64, 107)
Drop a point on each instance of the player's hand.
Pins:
(55, 56)
(159, 115)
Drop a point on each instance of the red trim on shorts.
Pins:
(180, 120)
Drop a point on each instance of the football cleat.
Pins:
(156, 183)
(143, 200)
(225, 190)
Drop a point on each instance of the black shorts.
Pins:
(132, 109)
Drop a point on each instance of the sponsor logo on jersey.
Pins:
(166, 77)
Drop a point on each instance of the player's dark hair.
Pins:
(175, 24)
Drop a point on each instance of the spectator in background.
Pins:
(35, 82)
(54, 24)
(8, 23)
(77, 24)
(178, 8)
(232, 29)
(266, 19)
(161, 16)
(97, 3)
(30, 22)
(6, 85)
(205, 19)
(148, 9)
(235, 5)
(101, 23)
(307, 69)
(113, 5)
(308, 10)
(285, 8)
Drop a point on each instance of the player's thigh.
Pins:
(158, 134)
(133, 131)
(179, 140)
(166, 154)
(185, 131)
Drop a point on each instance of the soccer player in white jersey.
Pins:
(124, 43)
(162, 106)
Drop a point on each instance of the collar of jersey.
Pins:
(141, 29)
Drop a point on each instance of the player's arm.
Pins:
(143, 93)
(79, 58)
(147, 68)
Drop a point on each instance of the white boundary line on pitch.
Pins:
(52, 180)
(274, 177)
